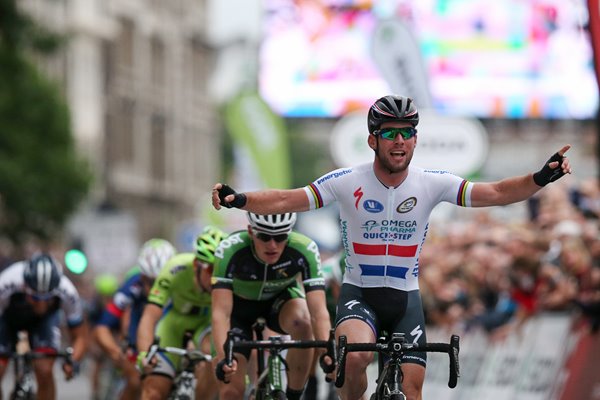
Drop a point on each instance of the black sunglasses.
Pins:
(265, 237)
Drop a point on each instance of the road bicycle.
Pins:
(23, 358)
(270, 382)
(390, 352)
(184, 384)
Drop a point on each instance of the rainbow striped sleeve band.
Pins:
(464, 194)
(314, 196)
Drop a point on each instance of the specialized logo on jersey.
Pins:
(373, 206)
(358, 194)
(407, 205)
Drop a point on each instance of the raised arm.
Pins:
(270, 201)
(515, 189)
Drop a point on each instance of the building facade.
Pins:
(135, 75)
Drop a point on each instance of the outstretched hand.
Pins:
(216, 202)
(557, 166)
(225, 196)
(565, 165)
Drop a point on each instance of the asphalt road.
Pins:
(78, 388)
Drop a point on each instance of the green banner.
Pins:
(252, 124)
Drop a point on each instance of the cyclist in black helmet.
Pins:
(384, 212)
(31, 294)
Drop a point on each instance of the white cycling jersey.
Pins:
(12, 281)
(383, 228)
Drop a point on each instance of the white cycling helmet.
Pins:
(154, 255)
(273, 224)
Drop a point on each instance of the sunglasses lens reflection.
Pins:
(391, 133)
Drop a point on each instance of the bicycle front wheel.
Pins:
(397, 397)
(278, 395)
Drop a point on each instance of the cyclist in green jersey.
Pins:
(257, 274)
(179, 302)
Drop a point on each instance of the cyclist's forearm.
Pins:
(276, 201)
(220, 327)
(319, 315)
(79, 336)
(106, 341)
(222, 307)
(145, 332)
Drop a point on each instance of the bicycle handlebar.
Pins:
(67, 354)
(193, 355)
(393, 346)
(275, 342)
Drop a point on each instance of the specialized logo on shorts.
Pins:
(358, 194)
(373, 206)
(351, 304)
(407, 205)
(416, 333)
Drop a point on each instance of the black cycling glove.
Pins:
(546, 175)
(219, 370)
(239, 199)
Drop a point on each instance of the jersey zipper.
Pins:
(390, 215)
(262, 287)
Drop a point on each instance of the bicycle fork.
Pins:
(393, 381)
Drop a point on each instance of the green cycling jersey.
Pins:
(176, 284)
(239, 269)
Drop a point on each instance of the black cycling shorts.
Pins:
(386, 310)
(245, 312)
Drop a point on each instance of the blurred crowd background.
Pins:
(117, 116)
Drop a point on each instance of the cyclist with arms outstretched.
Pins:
(32, 293)
(257, 273)
(384, 211)
(179, 302)
(126, 309)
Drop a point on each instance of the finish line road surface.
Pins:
(79, 388)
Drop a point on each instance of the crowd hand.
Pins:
(557, 166)
(225, 196)
(224, 372)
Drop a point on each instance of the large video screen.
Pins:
(483, 58)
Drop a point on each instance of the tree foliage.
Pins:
(42, 179)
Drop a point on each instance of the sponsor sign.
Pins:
(454, 144)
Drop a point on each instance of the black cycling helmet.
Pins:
(392, 108)
(42, 273)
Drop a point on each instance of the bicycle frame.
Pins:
(24, 387)
(269, 384)
(184, 384)
(389, 381)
